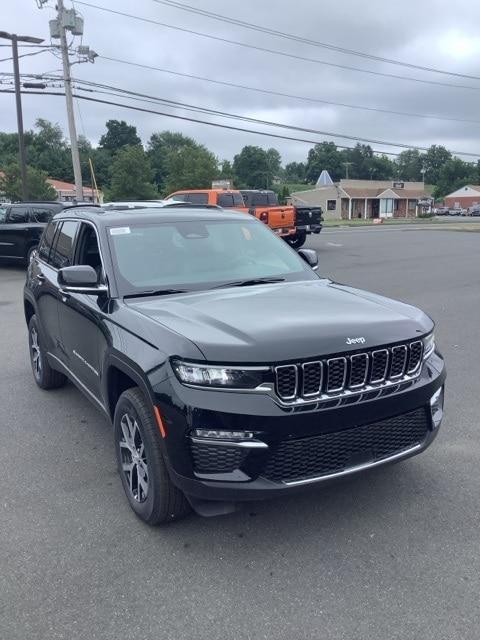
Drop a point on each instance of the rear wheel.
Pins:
(44, 375)
(298, 240)
(141, 462)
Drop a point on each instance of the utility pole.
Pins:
(15, 39)
(346, 165)
(67, 79)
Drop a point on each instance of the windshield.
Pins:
(200, 254)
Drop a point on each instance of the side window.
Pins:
(180, 197)
(272, 199)
(41, 214)
(46, 241)
(88, 252)
(197, 198)
(225, 200)
(260, 200)
(3, 214)
(17, 215)
(62, 254)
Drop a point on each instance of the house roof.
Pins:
(59, 185)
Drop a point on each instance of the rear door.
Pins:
(42, 281)
(15, 233)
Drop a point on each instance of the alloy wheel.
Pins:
(133, 458)
(36, 353)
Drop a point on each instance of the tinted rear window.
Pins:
(18, 214)
(42, 214)
(230, 200)
(197, 198)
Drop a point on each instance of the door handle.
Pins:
(40, 277)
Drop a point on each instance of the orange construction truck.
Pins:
(280, 219)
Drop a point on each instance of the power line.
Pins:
(244, 130)
(24, 55)
(223, 114)
(303, 40)
(288, 95)
(177, 117)
(275, 52)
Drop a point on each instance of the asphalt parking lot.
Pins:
(390, 554)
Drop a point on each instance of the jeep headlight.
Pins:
(204, 375)
(428, 345)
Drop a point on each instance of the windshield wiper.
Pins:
(153, 292)
(248, 283)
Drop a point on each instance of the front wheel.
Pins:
(298, 240)
(141, 462)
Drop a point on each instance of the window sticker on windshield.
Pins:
(119, 231)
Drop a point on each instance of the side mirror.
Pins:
(310, 257)
(80, 279)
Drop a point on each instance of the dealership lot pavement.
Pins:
(391, 554)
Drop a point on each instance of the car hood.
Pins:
(284, 321)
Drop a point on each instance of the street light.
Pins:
(15, 39)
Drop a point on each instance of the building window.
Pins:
(331, 205)
(412, 205)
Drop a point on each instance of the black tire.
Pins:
(148, 487)
(43, 374)
(298, 240)
(29, 254)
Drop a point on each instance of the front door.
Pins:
(80, 315)
(375, 208)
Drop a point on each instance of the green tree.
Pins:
(37, 185)
(226, 170)
(102, 160)
(190, 168)
(324, 155)
(381, 168)
(409, 165)
(160, 147)
(251, 168)
(119, 134)
(132, 176)
(274, 163)
(295, 172)
(455, 173)
(433, 162)
(48, 150)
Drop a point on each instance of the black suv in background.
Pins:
(21, 226)
(231, 371)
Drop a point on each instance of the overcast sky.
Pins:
(437, 33)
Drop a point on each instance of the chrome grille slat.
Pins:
(336, 374)
(312, 378)
(347, 374)
(398, 361)
(286, 381)
(358, 370)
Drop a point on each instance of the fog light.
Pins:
(436, 407)
(223, 435)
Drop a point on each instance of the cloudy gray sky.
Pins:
(434, 33)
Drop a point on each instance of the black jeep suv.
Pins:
(231, 371)
(21, 226)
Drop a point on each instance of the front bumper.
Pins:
(297, 446)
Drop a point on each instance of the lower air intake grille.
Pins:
(334, 452)
(215, 458)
